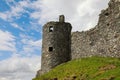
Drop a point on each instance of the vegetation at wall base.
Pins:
(92, 68)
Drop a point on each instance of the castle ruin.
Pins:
(60, 45)
(56, 44)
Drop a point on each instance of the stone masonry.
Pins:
(60, 45)
(104, 39)
(56, 44)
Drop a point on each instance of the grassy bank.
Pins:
(94, 68)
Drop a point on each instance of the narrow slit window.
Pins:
(51, 29)
(106, 14)
(108, 24)
(50, 49)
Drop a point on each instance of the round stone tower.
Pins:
(56, 44)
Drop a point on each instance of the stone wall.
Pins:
(56, 45)
(104, 39)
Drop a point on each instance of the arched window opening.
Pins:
(51, 29)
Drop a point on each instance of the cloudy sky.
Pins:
(21, 30)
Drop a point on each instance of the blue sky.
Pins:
(16, 20)
(21, 24)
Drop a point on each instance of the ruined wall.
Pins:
(104, 39)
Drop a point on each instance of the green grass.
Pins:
(94, 68)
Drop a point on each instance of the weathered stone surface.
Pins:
(57, 36)
(103, 40)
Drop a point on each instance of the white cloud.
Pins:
(15, 11)
(19, 68)
(28, 40)
(7, 41)
(30, 46)
(3, 16)
(83, 14)
(37, 43)
(17, 26)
